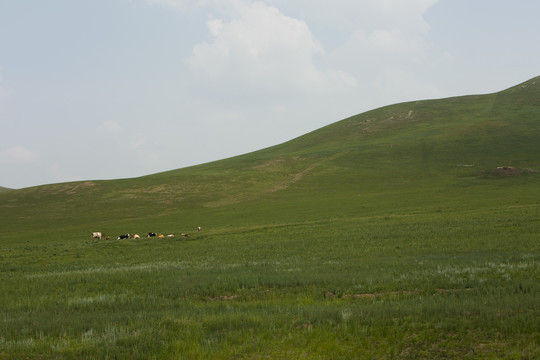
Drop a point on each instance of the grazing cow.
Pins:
(186, 235)
(170, 236)
(161, 236)
(135, 236)
(96, 235)
(151, 234)
(125, 236)
(199, 228)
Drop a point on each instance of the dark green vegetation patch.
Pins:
(410, 231)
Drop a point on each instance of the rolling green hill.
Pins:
(4, 189)
(409, 231)
(435, 149)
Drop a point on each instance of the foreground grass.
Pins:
(417, 285)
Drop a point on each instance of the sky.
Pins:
(108, 89)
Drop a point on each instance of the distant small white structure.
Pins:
(199, 228)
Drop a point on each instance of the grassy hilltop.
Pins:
(409, 231)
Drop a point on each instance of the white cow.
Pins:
(135, 236)
(96, 235)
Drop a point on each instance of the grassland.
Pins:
(385, 235)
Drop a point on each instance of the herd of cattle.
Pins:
(100, 235)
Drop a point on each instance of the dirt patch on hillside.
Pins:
(295, 179)
(505, 171)
(270, 163)
(299, 175)
(72, 188)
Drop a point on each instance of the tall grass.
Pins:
(423, 285)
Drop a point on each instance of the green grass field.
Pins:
(390, 234)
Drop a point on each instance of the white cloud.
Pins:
(18, 154)
(333, 60)
(268, 50)
(383, 45)
(261, 50)
(383, 33)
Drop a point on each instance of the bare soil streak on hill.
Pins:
(273, 165)
(298, 176)
(270, 163)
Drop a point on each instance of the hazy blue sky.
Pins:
(103, 89)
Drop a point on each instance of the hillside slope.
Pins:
(422, 154)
